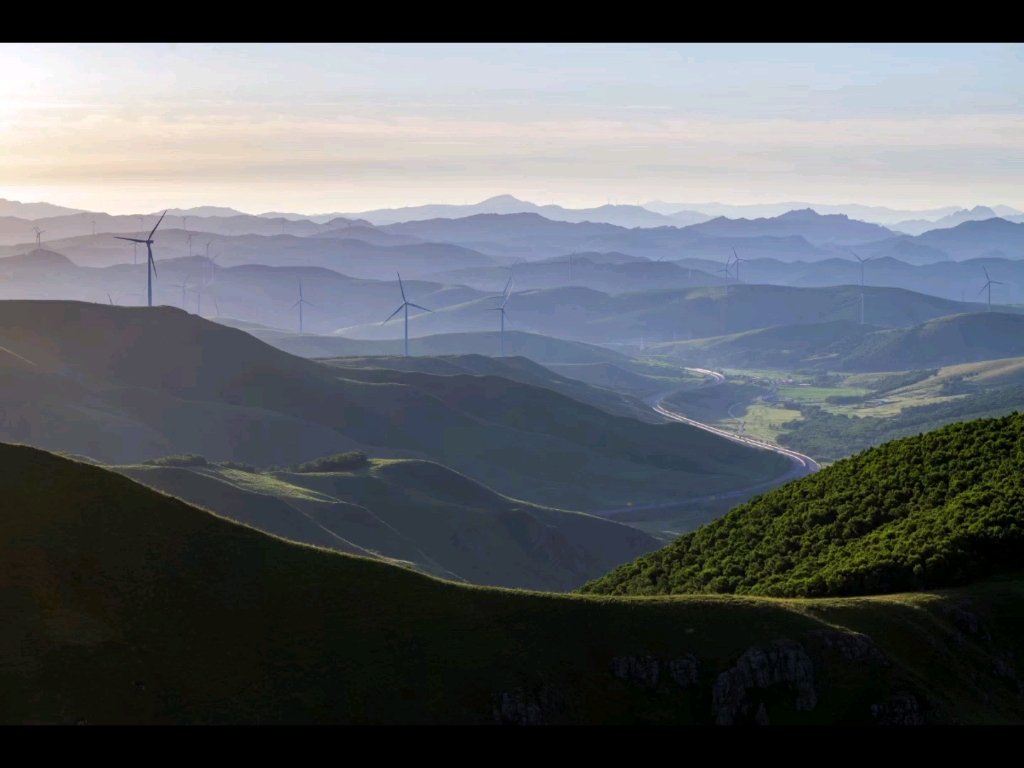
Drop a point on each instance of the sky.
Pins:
(321, 128)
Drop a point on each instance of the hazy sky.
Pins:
(316, 128)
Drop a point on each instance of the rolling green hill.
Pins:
(414, 513)
(123, 605)
(518, 369)
(941, 509)
(122, 385)
(782, 347)
(536, 347)
(943, 341)
(843, 345)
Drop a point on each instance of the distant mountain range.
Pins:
(621, 215)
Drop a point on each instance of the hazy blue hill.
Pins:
(780, 347)
(144, 379)
(846, 346)
(536, 347)
(951, 340)
(835, 228)
(123, 605)
(593, 316)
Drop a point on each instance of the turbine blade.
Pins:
(400, 286)
(152, 263)
(983, 289)
(394, 313)
(293, 306)
(110, 299)
(129, 239)
(419, 307)
(157, 225)
(986, 274)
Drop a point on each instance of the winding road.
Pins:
(801, 465)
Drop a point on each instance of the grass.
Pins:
(417, 513)
(122, 605)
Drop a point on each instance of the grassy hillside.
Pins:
(782, 347)
(848, 346)
(943, 341)
(121, 605)
(942, 509)
(127, 384)
(519, 369)
(539, 348)
(414, 513)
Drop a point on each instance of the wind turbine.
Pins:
(39, 235)
(213, 265)
(150, 264)
(505, 296)
(405, 305)
(189, 239)
(182, 286)
(737, 263)
(199, 299)
(728, 274)
(300, 304)
(112, 302)
(94, 225)
(862, 263)
(990, 282)
(184, 223)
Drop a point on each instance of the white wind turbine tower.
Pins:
(150, 264)
(988, 285)
(505, 295)
(182, 286)
(862, 263)
(405, 305)
(737, 263)
(303, 303)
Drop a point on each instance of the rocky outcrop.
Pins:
(784, 663)
(646, 670)
(900, 709)
(642, 670)
(519, 707)
(683, 671)
(966, 621)
(851, 646)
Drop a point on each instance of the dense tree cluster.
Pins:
(339, 462)
(935, 510)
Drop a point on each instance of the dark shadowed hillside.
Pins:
(123, 605)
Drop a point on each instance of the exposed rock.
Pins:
(967, 621)
(761, 718)
(683, 671)
(520, 708)
(852, 646)
(783, 663)
(900, 709)
(641, 670)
